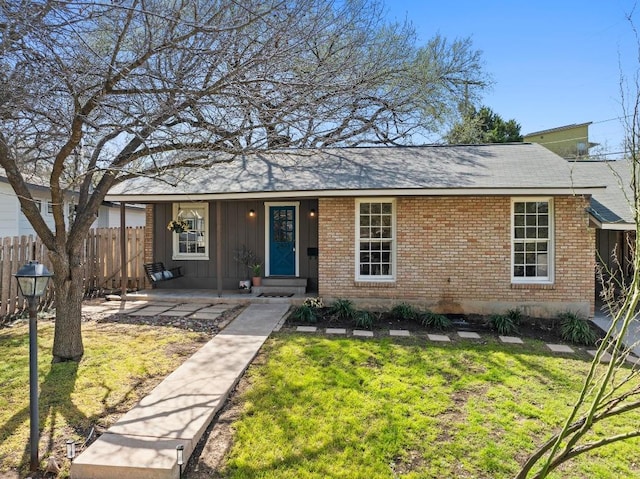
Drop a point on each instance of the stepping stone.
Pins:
(363, 334)
(511, 340)
(336, 331)
(214, 309)
(469, 335)
(157, 309)
(206, 316)
(399, 332)
(191, 307)
(560, 348)
(605, 358)
(306, 329)
(439, 337)
(150, 312)
(175, 314)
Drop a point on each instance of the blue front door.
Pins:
(282, 240)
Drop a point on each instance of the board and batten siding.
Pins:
(238, 230)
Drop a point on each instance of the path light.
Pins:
(71, 449)
(33, 278)
(180, 457)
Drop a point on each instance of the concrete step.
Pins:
(284, 281)
(257, 290)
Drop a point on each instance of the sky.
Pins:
(553, 63)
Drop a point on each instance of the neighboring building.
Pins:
(14, 223)
(458, 229)
(570, 142)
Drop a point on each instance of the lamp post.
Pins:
(33, 278)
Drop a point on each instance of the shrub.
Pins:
(343, 309)
(305, 313)
(404, 311)
(576, 329)
(434, 320)
(505, 323)
(365, 319)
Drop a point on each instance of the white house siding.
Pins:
(9, 209)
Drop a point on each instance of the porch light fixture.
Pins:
(312, 212)
(71, 449)
(252, 213)
(180, 458)
(32, 279)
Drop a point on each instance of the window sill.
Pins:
(533, 286)
(359, 283)
(190, 258)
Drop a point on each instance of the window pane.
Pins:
(375, 224)
(531, 232)
(530, 207)
(518, 207)
(531, 220)
(543, 233)
(518, 271)
(530, 271)
(519, 233)
(519, 220)
(543, 207)
(543, 220)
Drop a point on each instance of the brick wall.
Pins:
(454, 256)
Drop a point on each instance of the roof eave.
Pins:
(153, 198)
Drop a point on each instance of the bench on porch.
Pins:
(156, 272)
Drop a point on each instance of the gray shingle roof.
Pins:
(467, 169)
(610, 206)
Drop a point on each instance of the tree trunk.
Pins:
(67, 340)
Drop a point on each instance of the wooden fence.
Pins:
(101, 262)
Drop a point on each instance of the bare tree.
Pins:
(612, 385)
(94, 93)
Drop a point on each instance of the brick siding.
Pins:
(454, 256)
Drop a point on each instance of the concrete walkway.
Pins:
(631, 339)
(142, 444)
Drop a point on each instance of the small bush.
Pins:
(434, 320)
(505, 324)
(343, 309)
(365, 319)
(574, 328)
(305, 313)
(404, 311)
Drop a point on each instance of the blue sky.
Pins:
(553, 63)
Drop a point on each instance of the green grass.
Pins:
(332, 408)
(121, 363)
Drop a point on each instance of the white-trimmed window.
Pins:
(375, 236)
(532, 240)
(194, 242)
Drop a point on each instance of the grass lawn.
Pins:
(318, 407)
(121, 363)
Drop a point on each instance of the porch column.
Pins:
(219, 247)
(123, 251)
